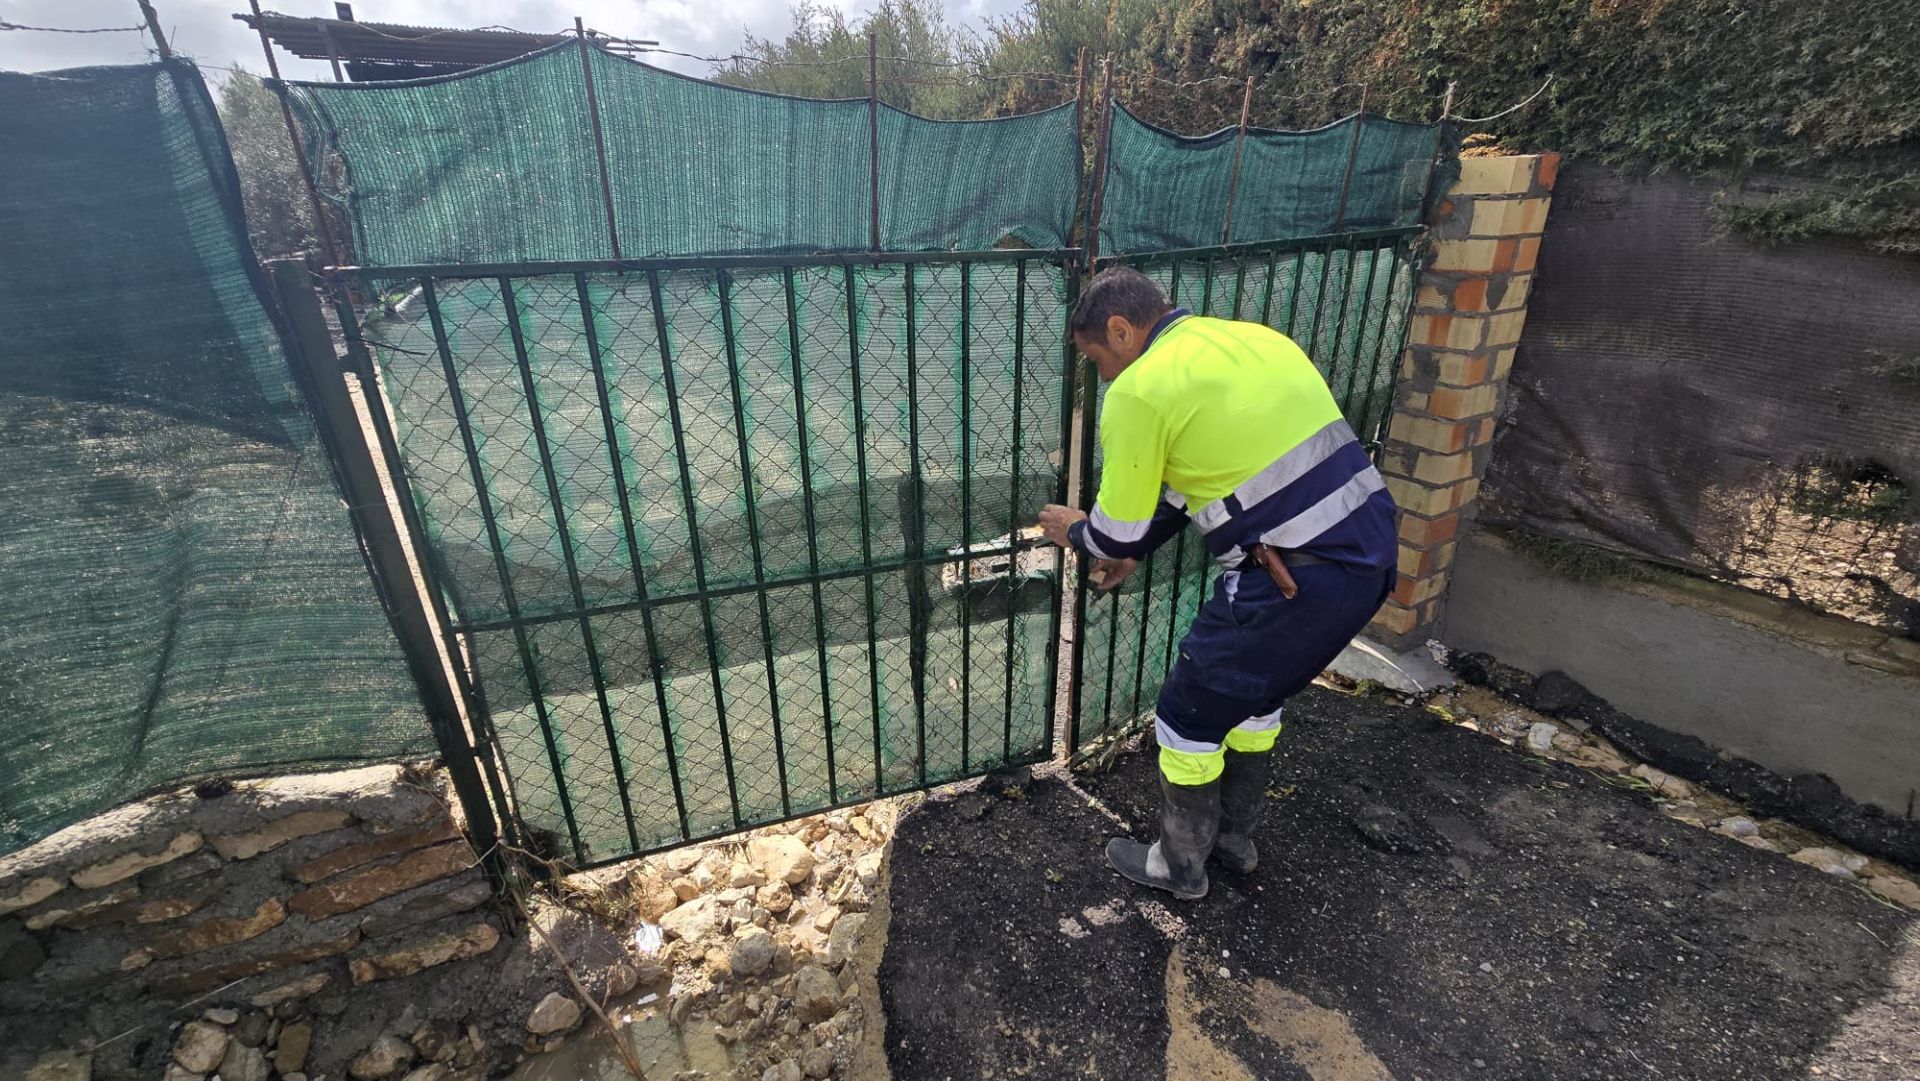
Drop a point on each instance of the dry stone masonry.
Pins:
(258, 899)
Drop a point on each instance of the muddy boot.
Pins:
(1243, 793)
(1177, 862)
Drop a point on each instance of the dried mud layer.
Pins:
(1431, 904)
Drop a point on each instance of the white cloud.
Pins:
(205, 30)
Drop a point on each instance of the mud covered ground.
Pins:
(1431, 905)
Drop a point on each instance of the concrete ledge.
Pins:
(1409, 671)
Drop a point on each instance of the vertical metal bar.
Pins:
(1293, 293)
(866, 526)
(333, 50)
(599, 136)
(1360, 335)
(1088, 407)
(813, 530)
(873, 145)
(1320, 300)
(1173, 603)
(1439, 146)
(1239, 283)
(690, 507)
(1146, 623)
(1206, 286)
(1173, 284)
(1059, 589)
(320, 227)
(1082, 196)
(1013, 497)
(917, 612)
(1103, 141)
(1233, 178)
(152, 19)
(1353, 155)
(1113, 646)
(535, 414)
(432, 568)
(1340, 318)
(324, 386)
(724, 280)
(966, 517)
(1266, 298)
(458, 399)
(617, 457)
(1379, 343)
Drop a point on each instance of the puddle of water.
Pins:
(663, 1051)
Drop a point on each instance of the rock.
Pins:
(752, 954)
(1540, 736)
(679, 1009)
(782, 858)
(437, 950)
(775, 898)
(1557, 692)
(387, 1057)
(867, 867)
(296, 989)
(1663, 782)
(252, 1029)
(432, 1071)
(654, 898)
(243, 1063)
(692, 921)
(555, 1014)
(1759, 842)
(177, 1072)
(436, 1040)
(201, 1046)
(621, 978)
(220, 931)
(1739, 826)
(845, 938)
(703, 877)
(864, 828)
(73, 908)
(126, 865)
(816, 994)
(1898, 890)
(745, 874)
(1825, 859)
(683, 860)
(62, 1065)
(29, 893)
(220, 1015)
(826, 918)
(785, 1070)
(347, 857)
(685, 889)
(817, 1063)
(245, 846)
(362, 888)
(422, 906)
(290, 1053)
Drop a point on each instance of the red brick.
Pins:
(1548, 170)
(1470, 295)
(1426, 532)
(1527, 255)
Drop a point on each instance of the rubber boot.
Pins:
(1177, 862)
(1243, 794)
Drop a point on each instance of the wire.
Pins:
(68, 30)
(1514, 108)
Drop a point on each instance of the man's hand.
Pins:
(1055, 520)
(1107, 574)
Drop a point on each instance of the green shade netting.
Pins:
(184, 591)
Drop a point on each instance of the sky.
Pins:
(205, 30)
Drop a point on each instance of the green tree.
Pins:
(924, 65)
(279, 220)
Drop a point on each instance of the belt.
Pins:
(1291, 557)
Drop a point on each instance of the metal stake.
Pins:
(1353, 155)
(599, 138)
(152, 19)
(320, 227)
(1101, 139)
(873, 139)
(1239, 147)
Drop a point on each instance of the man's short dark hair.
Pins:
(1121, 291)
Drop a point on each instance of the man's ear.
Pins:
(1119, 331)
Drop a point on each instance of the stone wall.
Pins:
(217, 929)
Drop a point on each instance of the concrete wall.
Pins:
(1790, 689)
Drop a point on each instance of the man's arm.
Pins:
(1130, 519)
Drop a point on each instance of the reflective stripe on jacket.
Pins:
(1228, 424)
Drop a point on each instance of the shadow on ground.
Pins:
(1431, 905)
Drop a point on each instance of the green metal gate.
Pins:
(723, 541)
(1346, 298)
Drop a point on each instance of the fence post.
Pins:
(599, 138)
(1102, 136)
(317, 370)
(1469, 307)
(1353, 156)
(873, 138)
(1233, 178)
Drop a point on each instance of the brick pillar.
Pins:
(1468, 312)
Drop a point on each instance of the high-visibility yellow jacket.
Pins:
(1228, 424)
